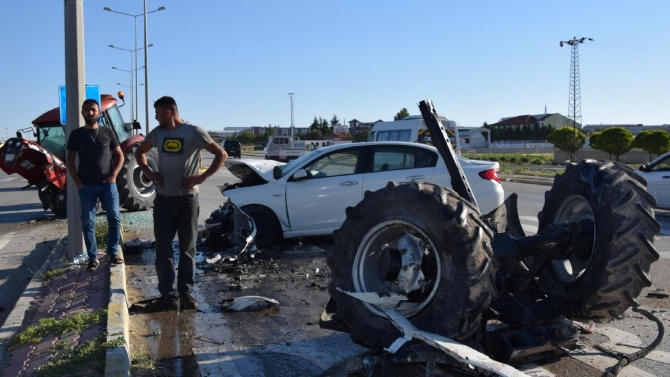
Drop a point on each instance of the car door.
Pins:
(658, 182)
(316, 203)
(399, 163)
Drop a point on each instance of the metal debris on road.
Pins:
(249, 304)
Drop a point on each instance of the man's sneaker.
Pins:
(162, 304)
(187, 302)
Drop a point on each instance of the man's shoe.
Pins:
(162, 304)
(187, 302)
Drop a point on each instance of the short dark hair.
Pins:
(167, 102)
(90, 101)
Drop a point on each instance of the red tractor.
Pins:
(42, 163)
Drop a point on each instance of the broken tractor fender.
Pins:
(451, 347)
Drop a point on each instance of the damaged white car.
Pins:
(308, 196)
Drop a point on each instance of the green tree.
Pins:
(360, 136)
(568, 140)
(314, 135)
(315, 124)
(334, 121)
(245, 137)
(656, 142)
(615, 141)
(402, 114)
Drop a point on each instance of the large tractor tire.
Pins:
(54, 199)
(136, 192)
(386, 237)
(603, 280)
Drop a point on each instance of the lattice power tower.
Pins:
(575, 100)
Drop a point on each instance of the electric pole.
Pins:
(291, 95)
(575, 97)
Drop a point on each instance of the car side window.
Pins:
(334, 164)
(387, 158)
(663, 165)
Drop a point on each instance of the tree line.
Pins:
(614, 141)
(520, 132)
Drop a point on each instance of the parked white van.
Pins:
(412, 129)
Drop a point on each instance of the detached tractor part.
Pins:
(427, 253)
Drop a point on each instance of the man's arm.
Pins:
(72, 169)
(117, 157)
(220, 157)
(141, 158)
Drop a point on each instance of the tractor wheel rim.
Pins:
(573, 209)
(392, 258)
(143, 186)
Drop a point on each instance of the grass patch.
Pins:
(142, 364)
(50, 325)
(529, 172)
(101, 231)
(53, 273)
(73, 361)
(515, 158)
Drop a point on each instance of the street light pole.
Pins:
(146, 58)
(130, 74)
(291, 96)
(146, 70)
(135, 96)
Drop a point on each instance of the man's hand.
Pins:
(110, 178)
(193, 180)
(154, 177)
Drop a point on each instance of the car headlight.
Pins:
(18, 143)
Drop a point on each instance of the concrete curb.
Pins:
(117, 361)
(16, 317)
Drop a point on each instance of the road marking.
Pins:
(625, 342)
(535, 370)
(4, 239)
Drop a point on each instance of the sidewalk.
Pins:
(77, 312)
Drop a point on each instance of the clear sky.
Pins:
(233, 62)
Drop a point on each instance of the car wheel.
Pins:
(267, 224)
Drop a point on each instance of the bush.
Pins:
(524, 160)
(512, 160)
(537, 161)
(503, 159)
(495, 159)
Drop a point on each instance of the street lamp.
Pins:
(134, 105)
(146, 53)
(131, 86)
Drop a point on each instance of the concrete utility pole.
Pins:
(75, 84)
(575, 97)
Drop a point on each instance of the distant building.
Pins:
(633, 128)
(555, 120)
(356, 125)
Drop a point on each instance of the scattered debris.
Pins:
(215, 259)
(658, 293)
(250, 304)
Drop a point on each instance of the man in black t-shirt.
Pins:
(100, 160)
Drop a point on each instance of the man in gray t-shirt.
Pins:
(176, 206)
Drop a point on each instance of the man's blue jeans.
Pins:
(109, 198)
(175, 215)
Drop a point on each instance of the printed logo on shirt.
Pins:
(173, 145)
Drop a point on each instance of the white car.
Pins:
(657, 174)
(308, 196)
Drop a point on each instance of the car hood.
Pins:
(251, 169)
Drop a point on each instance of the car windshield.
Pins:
(299, 161)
